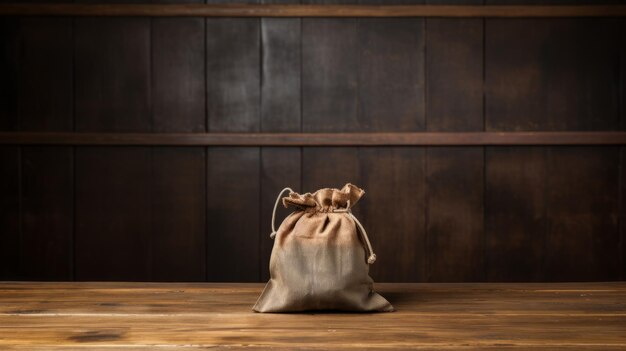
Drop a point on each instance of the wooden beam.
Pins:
(316, 139)
(277, 10)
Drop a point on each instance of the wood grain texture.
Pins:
(113, 213)
(515, 213)
(178, 191)
(45, 98)
(233, 214)
(555, 77)
(394, 211)
(9, 68)
(454, 74)
(10, 228)
(62, 316)
(280, 75)
(390, 76)
(280, 168)
(178, 75)
(233, 74)
(343, 10)
(47, 219)
(455, 228)
(112, 74)
(582, 202)
(316, 139)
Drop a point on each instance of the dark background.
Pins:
(203, 214)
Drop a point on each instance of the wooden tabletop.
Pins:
(142, 316)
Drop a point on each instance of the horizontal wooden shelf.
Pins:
(316, 139)
(277, 10)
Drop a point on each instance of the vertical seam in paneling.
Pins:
(301, 79)
(426, 273)
(20, 202)
(546, 155)
(151, 274)
(260, 213)
(484, 109)
(73, 236)
(426, 214)
(620, 209)
(206, 212)
(425, 73)
(260, 51)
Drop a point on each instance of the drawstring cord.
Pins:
(372, 256)
(273, 234)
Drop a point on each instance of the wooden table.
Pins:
(142, 316)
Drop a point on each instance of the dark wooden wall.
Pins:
(163, 213)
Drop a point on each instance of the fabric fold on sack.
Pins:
(321, 256)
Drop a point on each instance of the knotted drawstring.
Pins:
(372, 257)
(273, 234)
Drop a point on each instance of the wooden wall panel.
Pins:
(233, 214)
(390, 84)
(47, 243)
(515, 213)
(177, 75)
(112, 74)
(10, 212)
(280, 168)
(113, 213)
(178, 244)
(454, 175)
(9, 68)
(393, 211)
(329, 75)
(45, 90)
(582, 202)
(233, 75)
(280, 74)
(561, 74)
(552, 79)
(455, 239)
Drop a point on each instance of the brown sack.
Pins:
(320, 257)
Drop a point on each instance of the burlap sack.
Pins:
(320, 257)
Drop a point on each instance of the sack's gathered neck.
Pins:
(329, 209)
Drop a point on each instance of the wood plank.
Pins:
(46, 80)
(344, 10)
(515, 214)
(316, 139)
(233, 74)
(390, 77)
(178, 74)
(47, 240)
(557, 76)
(394, 222)
(454, 66)
(112, 74)
(178, 191)
(455, 228)
(454, 176)
(329, 75)
(10, 177)
(330, 167)
(113, 213)
(280, 168)
(9, 69)
(583, 236)
(233, 214)
(281, 77)
(452, 316)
